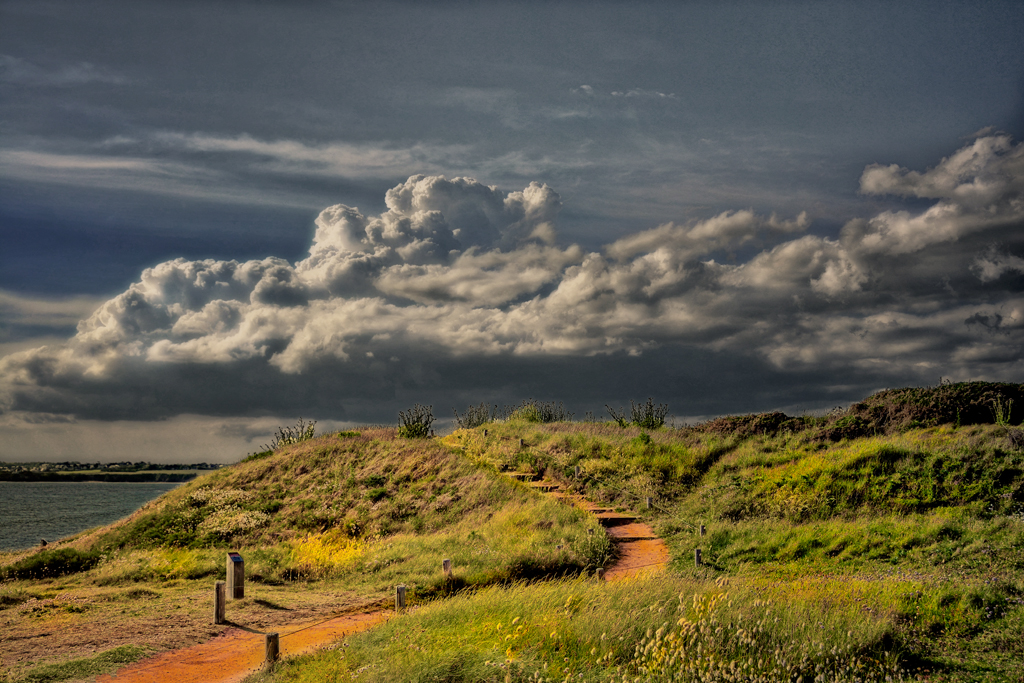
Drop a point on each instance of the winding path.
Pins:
(238, 652)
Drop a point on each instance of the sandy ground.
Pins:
(237, 653)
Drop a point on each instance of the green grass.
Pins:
(77, 669)
(581, 630)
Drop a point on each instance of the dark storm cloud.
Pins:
(460, 290)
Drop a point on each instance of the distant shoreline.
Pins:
(170, 477)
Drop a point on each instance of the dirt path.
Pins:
(239, 652)
(640, 549)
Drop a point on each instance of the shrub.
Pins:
(645, 415)
(475, 416)
(302, 431)
(531, 410)
(416, 422)
(649, 416)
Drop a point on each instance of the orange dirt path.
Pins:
(239, 652)
(640, 549)
(231, 657)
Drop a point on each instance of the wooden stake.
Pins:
(236, 576)
(696, 558)
(650, 502)
(399, 598)
(219, 599)
(446, 567)
(272, 651)
(702, 531)
(600, 573)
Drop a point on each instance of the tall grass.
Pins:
(649, 629)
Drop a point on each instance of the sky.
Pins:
(218, 217)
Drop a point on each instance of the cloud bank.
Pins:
(460, 290)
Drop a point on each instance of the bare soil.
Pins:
(237, 652)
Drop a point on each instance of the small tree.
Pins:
(415, 422)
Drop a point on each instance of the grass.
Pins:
(76, 669)
(886, 540)
(581, 630)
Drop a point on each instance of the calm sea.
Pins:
(30, 511)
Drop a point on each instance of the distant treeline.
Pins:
(29, 475)
(114, 471)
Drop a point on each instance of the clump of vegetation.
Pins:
(643, 415)
(476, 415)
(532, 410)
(47, 564)
(961, 403)
(415, 422)
(286, 436)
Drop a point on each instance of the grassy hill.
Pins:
(885, 540)
(326, 525)
(881, 542)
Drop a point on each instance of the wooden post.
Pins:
(272, 651)
(399, 598)
(219, 600)
(520, 443)
(702, 531)
(446, 567)
(236, 576)
(650, 502)
(696, 558)
(600, 573)
(485, 432)
(577, 471)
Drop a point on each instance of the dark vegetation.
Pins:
(415, 423)
(645, 415)
(48, 564)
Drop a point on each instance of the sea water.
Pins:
(34, 510)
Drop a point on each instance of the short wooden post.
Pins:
(577, 471)
(600, 573)
(219, 600)
(702, 530)
(485, 432)
(272, 651)
(696, 558)
(521, 443)
(650, 502)
(399, 598)
(446, 567)
(236, 576)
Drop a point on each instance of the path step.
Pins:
(523, 476)
(610, 519)
(631, 532)
(544, 487)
